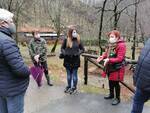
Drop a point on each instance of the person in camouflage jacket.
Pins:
(38, 53)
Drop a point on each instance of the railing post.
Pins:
(85, 70)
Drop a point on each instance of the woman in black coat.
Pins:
(71, 50)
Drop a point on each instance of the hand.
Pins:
(106, 61)
(36, 58)
(99, 59)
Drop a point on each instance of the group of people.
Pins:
(14, 73)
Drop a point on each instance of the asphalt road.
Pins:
(52, 100)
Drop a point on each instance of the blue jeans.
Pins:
(13, 104)
(139, 99)
(72, 76)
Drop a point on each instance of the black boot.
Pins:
(50, 84)
(48, 80)
(117, 90)
(111, 91)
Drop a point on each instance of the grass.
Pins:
(92, 89)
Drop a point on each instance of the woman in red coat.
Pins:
(114, 63)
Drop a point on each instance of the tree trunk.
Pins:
(10, 5)
(56, 42)
(135, 31)
(115, 17)
(101, 26)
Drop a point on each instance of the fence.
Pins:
(90, 58)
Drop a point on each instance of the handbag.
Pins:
(115, 66)
(61, 55)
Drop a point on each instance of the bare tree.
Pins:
(135, 31)
(117, 11)
(14, 6)
(101, 25)
(54, 9)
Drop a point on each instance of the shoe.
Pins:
(108, 97)
(67, 90)
(50, 84)
(73, 91)
(115, 102)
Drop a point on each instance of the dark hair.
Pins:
(34, 32)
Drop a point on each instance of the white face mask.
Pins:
(37, 36)
(112, 39)
(74, 34)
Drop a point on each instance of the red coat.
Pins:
(120, 51)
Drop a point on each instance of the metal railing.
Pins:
(91, 58)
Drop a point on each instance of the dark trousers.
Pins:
(139, 99)
(45, 67)
(114, 85)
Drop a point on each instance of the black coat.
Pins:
(142, 72)
(72, 55)
(14, 74)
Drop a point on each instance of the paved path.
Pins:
(52, 100)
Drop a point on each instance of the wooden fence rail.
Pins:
(91, 58)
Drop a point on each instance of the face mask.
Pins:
(112, 40)
(12, 28)
(74, 34)
(37, 36)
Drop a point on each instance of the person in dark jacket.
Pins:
(38, 53)
(14, 74)
(71, 49)
(141, 79)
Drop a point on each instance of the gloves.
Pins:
(106, 61)
(99, 59)
(36, 58)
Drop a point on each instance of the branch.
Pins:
(106, 10)
(130, 5)
(119, 12)
(119, 2)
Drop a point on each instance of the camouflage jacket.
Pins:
(38, 47)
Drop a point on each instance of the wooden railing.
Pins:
(91, 58)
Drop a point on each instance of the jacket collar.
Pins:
(5, 31)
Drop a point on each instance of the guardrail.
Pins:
(90, 58)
